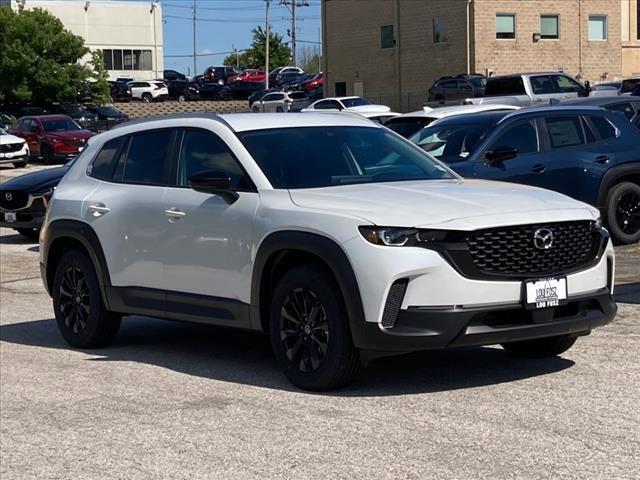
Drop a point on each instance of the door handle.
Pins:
(99, 209)
(538, 168)
(174, 214)
(602, 159)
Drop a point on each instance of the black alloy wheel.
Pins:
(304, 330)
(628, 212)
(74, 299)
(623, 212)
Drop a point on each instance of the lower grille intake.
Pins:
(394, 302)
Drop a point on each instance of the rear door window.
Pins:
(505, 86)
(146, 160)
(565, 131)
(104, 164)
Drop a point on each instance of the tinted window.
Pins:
(104, 163)
(205, 152)
(146, 158)
(564, 131)
(522, 136)
(566, 84)
(408, 126)
(450, 144)
(448, 84)
(326, 105)
(505, 86)
(542, 85)
(603, 127)
(59, 125)
(326, 156)
(625, 108)
(354, 102)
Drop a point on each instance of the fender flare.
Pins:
(331, 254)
(86, 236)
(611, 177)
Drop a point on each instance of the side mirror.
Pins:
(586, 90)
(339, 107)
(501, 154)
(214, 182)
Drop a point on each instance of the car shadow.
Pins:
(246, 358)
(16, 239)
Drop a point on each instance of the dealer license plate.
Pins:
(10, 217)
(547, 292)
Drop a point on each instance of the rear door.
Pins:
(126, 210)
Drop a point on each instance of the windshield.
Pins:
(450, 144)
(60, 125)
(408, 126)
(108, 111)
(313, 157)
(74, 110)
(354, 102)
(478, 82)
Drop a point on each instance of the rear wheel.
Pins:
(623, 212)
(540, 348)
(310, 332)
(146, 97)
(77, 301)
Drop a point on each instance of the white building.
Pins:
(128, 32)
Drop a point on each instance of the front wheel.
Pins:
(623, 212)
(47, 154)
(182, 98)
(19, 164)
(80, 312)
(310, 333)
(540, 348)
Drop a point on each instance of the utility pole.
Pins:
(293, 4)
(194, 38)
(266, 50)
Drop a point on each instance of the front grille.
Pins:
(12, 200)
(511, 251)
(74, 143)
(394, 302)
(11, 147)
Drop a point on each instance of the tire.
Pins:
(279, 110)
(325, 357)
(77, 302)
(46, 153)
(540, 348)
(19, 164)
(623, 212)
(29, 233)
(255, 110)
(182, 98)
(147, 98)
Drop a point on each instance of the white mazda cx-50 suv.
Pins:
(330, 233)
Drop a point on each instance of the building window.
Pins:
(127, 59)
(386, 36)
(340, 89)
(439, 30)
(506, 26)
(550, 27)
(597, 27)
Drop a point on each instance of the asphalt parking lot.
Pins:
(176, 400)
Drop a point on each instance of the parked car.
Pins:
(297, 82)
(81, 115)
(170, 75)
(527, 89)
(257, 95)
(219, 74)
(244, 90)
(109, 116)
(248, 75)
(281, 102)
(52, 137)
(149, 91)
(456, 88)
(409, 123)
(629, 106)
(628, 85)
(277, 71)
(350, 104)
(6, 120)
(379, 117)
(328, 232)
(588, 153)
(313, 83)
(13, 150)
(120, 92)
(284, 79)
(24, 200)
(183, 90)
(215, 91)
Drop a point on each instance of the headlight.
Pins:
(402, 237)
(45, 195)
(56, 140)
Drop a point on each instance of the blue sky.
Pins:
(226, 24)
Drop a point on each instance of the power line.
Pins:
(220, 20)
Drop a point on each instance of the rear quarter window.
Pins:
(603, 127)
(104, 164)
(505, 86)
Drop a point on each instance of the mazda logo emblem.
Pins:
(8, 196)
(543, 238)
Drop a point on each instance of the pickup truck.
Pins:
(528, 89)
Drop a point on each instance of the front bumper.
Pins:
(423, 329)
(18, 157)
(25, 219)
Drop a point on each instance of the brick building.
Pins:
(391, 51)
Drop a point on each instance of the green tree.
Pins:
(100, 88)
(39, 59)
(254, 56)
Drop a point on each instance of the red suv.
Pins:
(248, 75)
(315, 82)
(52, 137)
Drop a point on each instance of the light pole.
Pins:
(266, 51)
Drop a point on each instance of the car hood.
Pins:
(446, 204)
(368, 108)
(71, 134)
(35, 181)
(6, 139)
